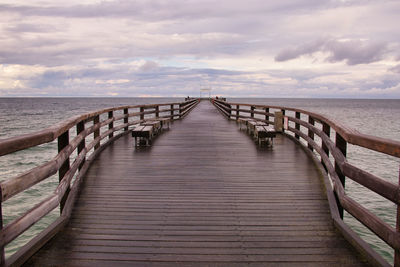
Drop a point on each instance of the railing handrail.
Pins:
(65, 192)
(13, 144)
(350, 135)
(339, 169)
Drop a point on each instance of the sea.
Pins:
(378, 117)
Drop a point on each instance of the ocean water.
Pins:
(25, 115)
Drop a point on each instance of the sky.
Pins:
(252, 48)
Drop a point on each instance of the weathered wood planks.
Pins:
(202, 195)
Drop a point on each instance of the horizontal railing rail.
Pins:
(102, 128)
(304, 126)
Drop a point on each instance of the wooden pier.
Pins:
(204, 194)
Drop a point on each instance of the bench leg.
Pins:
(271, 142)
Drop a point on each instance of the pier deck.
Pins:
(203, 194)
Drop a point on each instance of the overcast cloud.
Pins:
(287, 48)
(352, 52)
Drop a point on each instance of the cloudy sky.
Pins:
(252, 48)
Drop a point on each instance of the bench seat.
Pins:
(261, 131)
(251, 126)
(163, 121)
(244, 121)
(155, 124)
(149, 129)
(143, 132)
(264, 134)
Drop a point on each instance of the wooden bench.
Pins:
(149, 129)
(261, 131)
(155, 124)
(163, 121)
(243, 121)
(144, 133)
(265, 134)
(251, 126)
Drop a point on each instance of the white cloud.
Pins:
(119, 81)
(173, 48)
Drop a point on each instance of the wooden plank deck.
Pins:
(202, 195)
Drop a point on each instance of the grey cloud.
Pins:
(50, 78)
(43, 55)
(31, 28)
(234, 23)
(57, 49)
(100, 44)
(395, 69)
(160, 77)
(219, 72)
(166, 10)
(353, 52)
(295, 52)
(149, 66)
(183, 81)
(58, 78)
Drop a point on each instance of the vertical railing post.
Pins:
(310, 132)
(172, 111)
(2, 254)
(396, 251)
(80, 127)
(96, 134)
(180, 110)
(63, 141)
(327, 130)
(126, 119)
(237, 112)
(252, 108)
(283, 119)
(111, 124)
(157, 111)
(266, 115)
(225, 107)
(341, 144)
(141, 113)
(230, 111)
(297, 125)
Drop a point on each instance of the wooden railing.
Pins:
(304, 127)
(102, 127)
